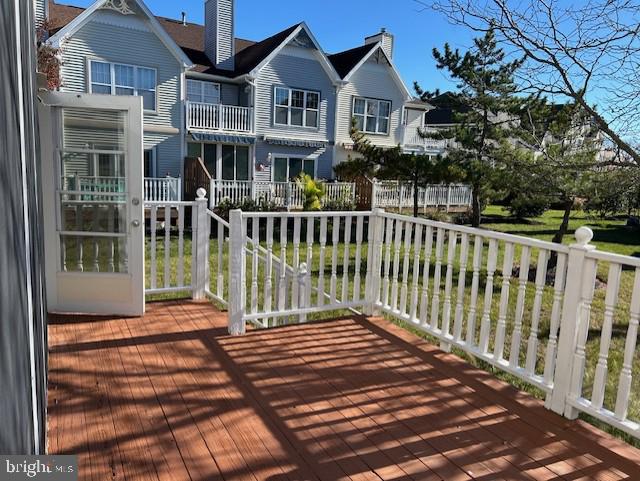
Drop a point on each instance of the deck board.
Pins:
(171, 396)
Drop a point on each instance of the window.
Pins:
(288, 168)
(208, 153)
(119, 79)
(372, 116)
(203, 92)
(299, 108)
(235, 162)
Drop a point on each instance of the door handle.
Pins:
(135, 223)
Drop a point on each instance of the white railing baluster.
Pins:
(415, 290)
(335, 236)
(475, 290)
(624, 384)
(448, 284)
(610, 302)
(180, 260)
(295, 287)
(310, 238)
(358, 261)
(220, 266)
(404, 289)
(167, 247)
(523, 279)
(387, 262)
(437, 274)
(399, 227)
(485, 323)
(345, 262)
(154, 265)
(462, 274)
(532, 344)
(268, 268)
(255, 242)
(282, 283)
(424, 302)
(501, 327)
(321, 267)
(554, 326)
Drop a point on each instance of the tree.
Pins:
(393, 163)
(483, 111)
(587, 52)
(555, 160)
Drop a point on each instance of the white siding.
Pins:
(110, 37)
(372, 80)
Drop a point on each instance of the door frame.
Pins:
(126, 289)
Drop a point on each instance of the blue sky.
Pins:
(340, 25)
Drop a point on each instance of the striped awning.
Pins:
(311, 144)
(224, 138)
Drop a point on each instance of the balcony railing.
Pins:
(412, 139)
(218, 117)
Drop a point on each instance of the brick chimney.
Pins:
(219, 42)
(387, 41)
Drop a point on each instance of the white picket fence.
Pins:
(399, 195)
(561, 318)
(284, 195)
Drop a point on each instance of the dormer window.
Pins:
(203, 92)
(297, 108)
(372, 115)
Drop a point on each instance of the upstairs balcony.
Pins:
(413, 141)
(219, 117)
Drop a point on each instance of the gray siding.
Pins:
(40, 10)
(230, 94)
(219, 32)
(294, 67)
(323, 157)
(109, 37)
(372, 80)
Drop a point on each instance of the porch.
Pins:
(172, 396)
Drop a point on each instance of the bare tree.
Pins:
(588, 52)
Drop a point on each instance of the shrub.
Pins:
(339, 206)
(312, 191)
(524, 206)
(247, 205)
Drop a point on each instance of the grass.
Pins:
(609, 235)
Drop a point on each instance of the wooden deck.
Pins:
(171, 396)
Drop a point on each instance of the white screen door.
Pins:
(95, 220)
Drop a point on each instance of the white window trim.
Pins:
(377, 117)
(235, 162)
(289, 157)
(113, 79)
(201, 83)
(289, 107)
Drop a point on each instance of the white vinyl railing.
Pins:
(561, 318)
(217, 117)
(163, 189)
(399, 195)
(412, 139)
(284, 195)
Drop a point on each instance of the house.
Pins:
(262, 111)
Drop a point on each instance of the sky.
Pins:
(339, 25)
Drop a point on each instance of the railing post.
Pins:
(372, 282)
(200, 230)
(577, 279)
(374, 195)
(303, 290)
(237, 270)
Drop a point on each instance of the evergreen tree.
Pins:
(484, 109)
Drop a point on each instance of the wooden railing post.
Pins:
(372, 282)
(577, 283)
(201, 229)
(237, 273)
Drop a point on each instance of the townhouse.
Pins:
(262, 111)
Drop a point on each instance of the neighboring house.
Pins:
(263, 110)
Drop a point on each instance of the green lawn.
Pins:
(610, 235)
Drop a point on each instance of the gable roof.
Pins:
(73, 19)
(345, 62)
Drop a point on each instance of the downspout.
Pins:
(338, 88)
(252, 82)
